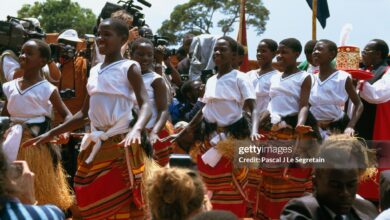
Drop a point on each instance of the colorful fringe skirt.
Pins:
(162, 150)
(226, 182)
(276, 186)
(103, 187)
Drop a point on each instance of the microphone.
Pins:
(144, 2)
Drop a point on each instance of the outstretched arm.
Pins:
(77, 121)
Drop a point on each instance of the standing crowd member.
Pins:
(112, 153)
(375, 119)
(308, 65)
(40, 96)
(347, 162)
(142, 51)
(330, 92)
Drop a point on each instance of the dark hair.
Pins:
(309, 46)
(139, 41)
(215, 215)
(188, 85)
(381, 45)
(119, 26)
(43, 48)
(293, 44)
(271, 44)
(240, 50)
(332, 47)
(232, 43)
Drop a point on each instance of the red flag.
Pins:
(241, 38)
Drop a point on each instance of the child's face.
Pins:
(321, 54)
(143, 54)
(30, 57)
(286, 56)
(108, 40)
(264, 55)
(223, 55)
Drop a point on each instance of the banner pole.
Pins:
(314, 20)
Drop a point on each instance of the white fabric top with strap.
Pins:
(224, 97)
(261, 84)
(328, 97)
(111, 101)
(285, 94)
(30, 105)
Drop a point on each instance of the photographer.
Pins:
(72, 66)
(165, 68)
(17, 199)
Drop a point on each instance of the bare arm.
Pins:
(60, 106)
(249, 106)
(358, 105)
(4, 111)
(160, 96)
(135, 79)
(54, 72)
(304, 101)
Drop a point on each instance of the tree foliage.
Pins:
(197, 17)
(58, 15)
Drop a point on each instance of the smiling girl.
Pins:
(30, 101)
(111, 155)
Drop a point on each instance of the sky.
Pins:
(288, 18)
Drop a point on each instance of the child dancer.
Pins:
(261, 80)
(30, 100)
(288, 114)
(331, 90)
(142, 51)
(108, 179)
(224, 126)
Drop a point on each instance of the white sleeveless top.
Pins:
(224, 97)
(262, 86)
(285, 93)
(148, 79)
(32, 102)
(111, 95)
(328, 97)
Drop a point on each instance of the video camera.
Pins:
(163, 41)
(134, 10)
(16, 31)
(64, 51)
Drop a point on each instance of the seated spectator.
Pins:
(175, 194)
(347, 161)
(17, 199)
(215, 215)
